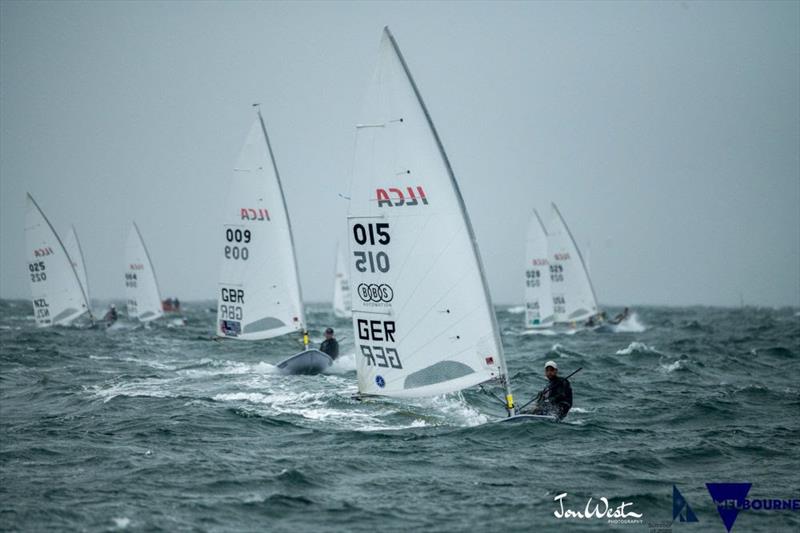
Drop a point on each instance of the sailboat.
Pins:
(141, 285)
(75, 253)
(573, 294)
(422, 315)
(538, 295)
(259, 286)
(341, 288)
(58, 296)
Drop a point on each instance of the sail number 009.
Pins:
(237, 236)
(372, 234)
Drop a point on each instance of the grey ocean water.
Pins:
(162, 429)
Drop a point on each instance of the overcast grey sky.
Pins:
(668, 133)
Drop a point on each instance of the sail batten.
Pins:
(422, 313)
(259, 288)
(57, 294)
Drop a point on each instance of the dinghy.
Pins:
(259, 286)
(58, 296)
(341, 288)
(538, 295)
(141, 285)
(307, 362)
(574, 300)
(422, 314)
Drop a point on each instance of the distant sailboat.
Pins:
(342, 301)
(573, 294)
(141, 286)
(538, 294)
(259, 288)
(57, 294)
(422, 315)
(75, 252)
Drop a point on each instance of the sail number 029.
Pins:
(237, 237)
(372, 234)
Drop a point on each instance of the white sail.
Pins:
(259, 288)
(75, 253)
(141, 286)
(422, 314)
(538, 296)
(341, 288)
(57, 295)
(573, 295)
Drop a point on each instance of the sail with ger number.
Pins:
(141, 287)
(573, 295)
(259, 287)
(75, 252)
(341, 288)
(423, 320)
(538, 296)
(57, 294)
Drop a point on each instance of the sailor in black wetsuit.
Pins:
(330, 346)
(556, 397)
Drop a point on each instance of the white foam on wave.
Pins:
(542, 332)
(147, 388)
(229, 368)
(671, 367)
(121, 522)
(630, 325)
(516, 310)
(343, 364)
(638, 347)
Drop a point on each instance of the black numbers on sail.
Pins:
(130, 279)
(237, 236)
(379, 261)
(372, 234)
(236, 252)
(37, 271)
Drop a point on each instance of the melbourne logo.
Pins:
(680, 507)
(394, 197)
(602, 509)
(731, 498)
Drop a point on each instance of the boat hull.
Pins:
(307, 362)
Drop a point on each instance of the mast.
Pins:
(288, 225)
(583, 263)
(149, 262)
(504, 378)
(83, 265)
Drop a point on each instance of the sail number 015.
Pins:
(372, 235)
(237, 237)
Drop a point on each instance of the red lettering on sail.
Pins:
(397, 196)
(248, 213)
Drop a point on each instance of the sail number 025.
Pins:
(372, 234)
(237, 236)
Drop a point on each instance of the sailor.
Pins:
(330, 345)
(556, 397)
(620, 317)
(111, 315)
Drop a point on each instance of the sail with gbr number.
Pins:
(259, 288)
(57, 294)
(538, 296)
(341, 288)
(423, 319)
(141, 286)
(573, 295)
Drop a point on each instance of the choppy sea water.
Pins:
(161, 428)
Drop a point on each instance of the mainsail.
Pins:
(141, 286)
(538, 296)
(422, 314)
(75, 253)
(341, 288)
(259, 288)
(57, 294)
(573, 295)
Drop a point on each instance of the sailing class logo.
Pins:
(248, 213)
(680, 507)
(731, 498)
(394, 197)
(373, 292)
(41, 252)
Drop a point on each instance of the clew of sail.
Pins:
(573, 295)
(422, 314)
(538, 295)
(75, 253)
(259, 288)
(342, 301)
(141, 287)
(57, 294)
